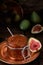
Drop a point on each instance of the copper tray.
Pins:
(4, 56)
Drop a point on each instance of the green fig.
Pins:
(24, 24)
(17, 17)
(35, 17)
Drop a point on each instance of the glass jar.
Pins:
(17, 47)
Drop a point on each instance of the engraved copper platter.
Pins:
(4, 56)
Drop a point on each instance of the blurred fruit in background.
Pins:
(11, 10)
(17, 17)
(8, 20)
(35, 17)
(25, 24)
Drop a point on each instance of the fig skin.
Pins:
(36, 29)
(25, 24)
(29, 43)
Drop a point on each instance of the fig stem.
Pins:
(10, 31)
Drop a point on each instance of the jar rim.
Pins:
(11, 47)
